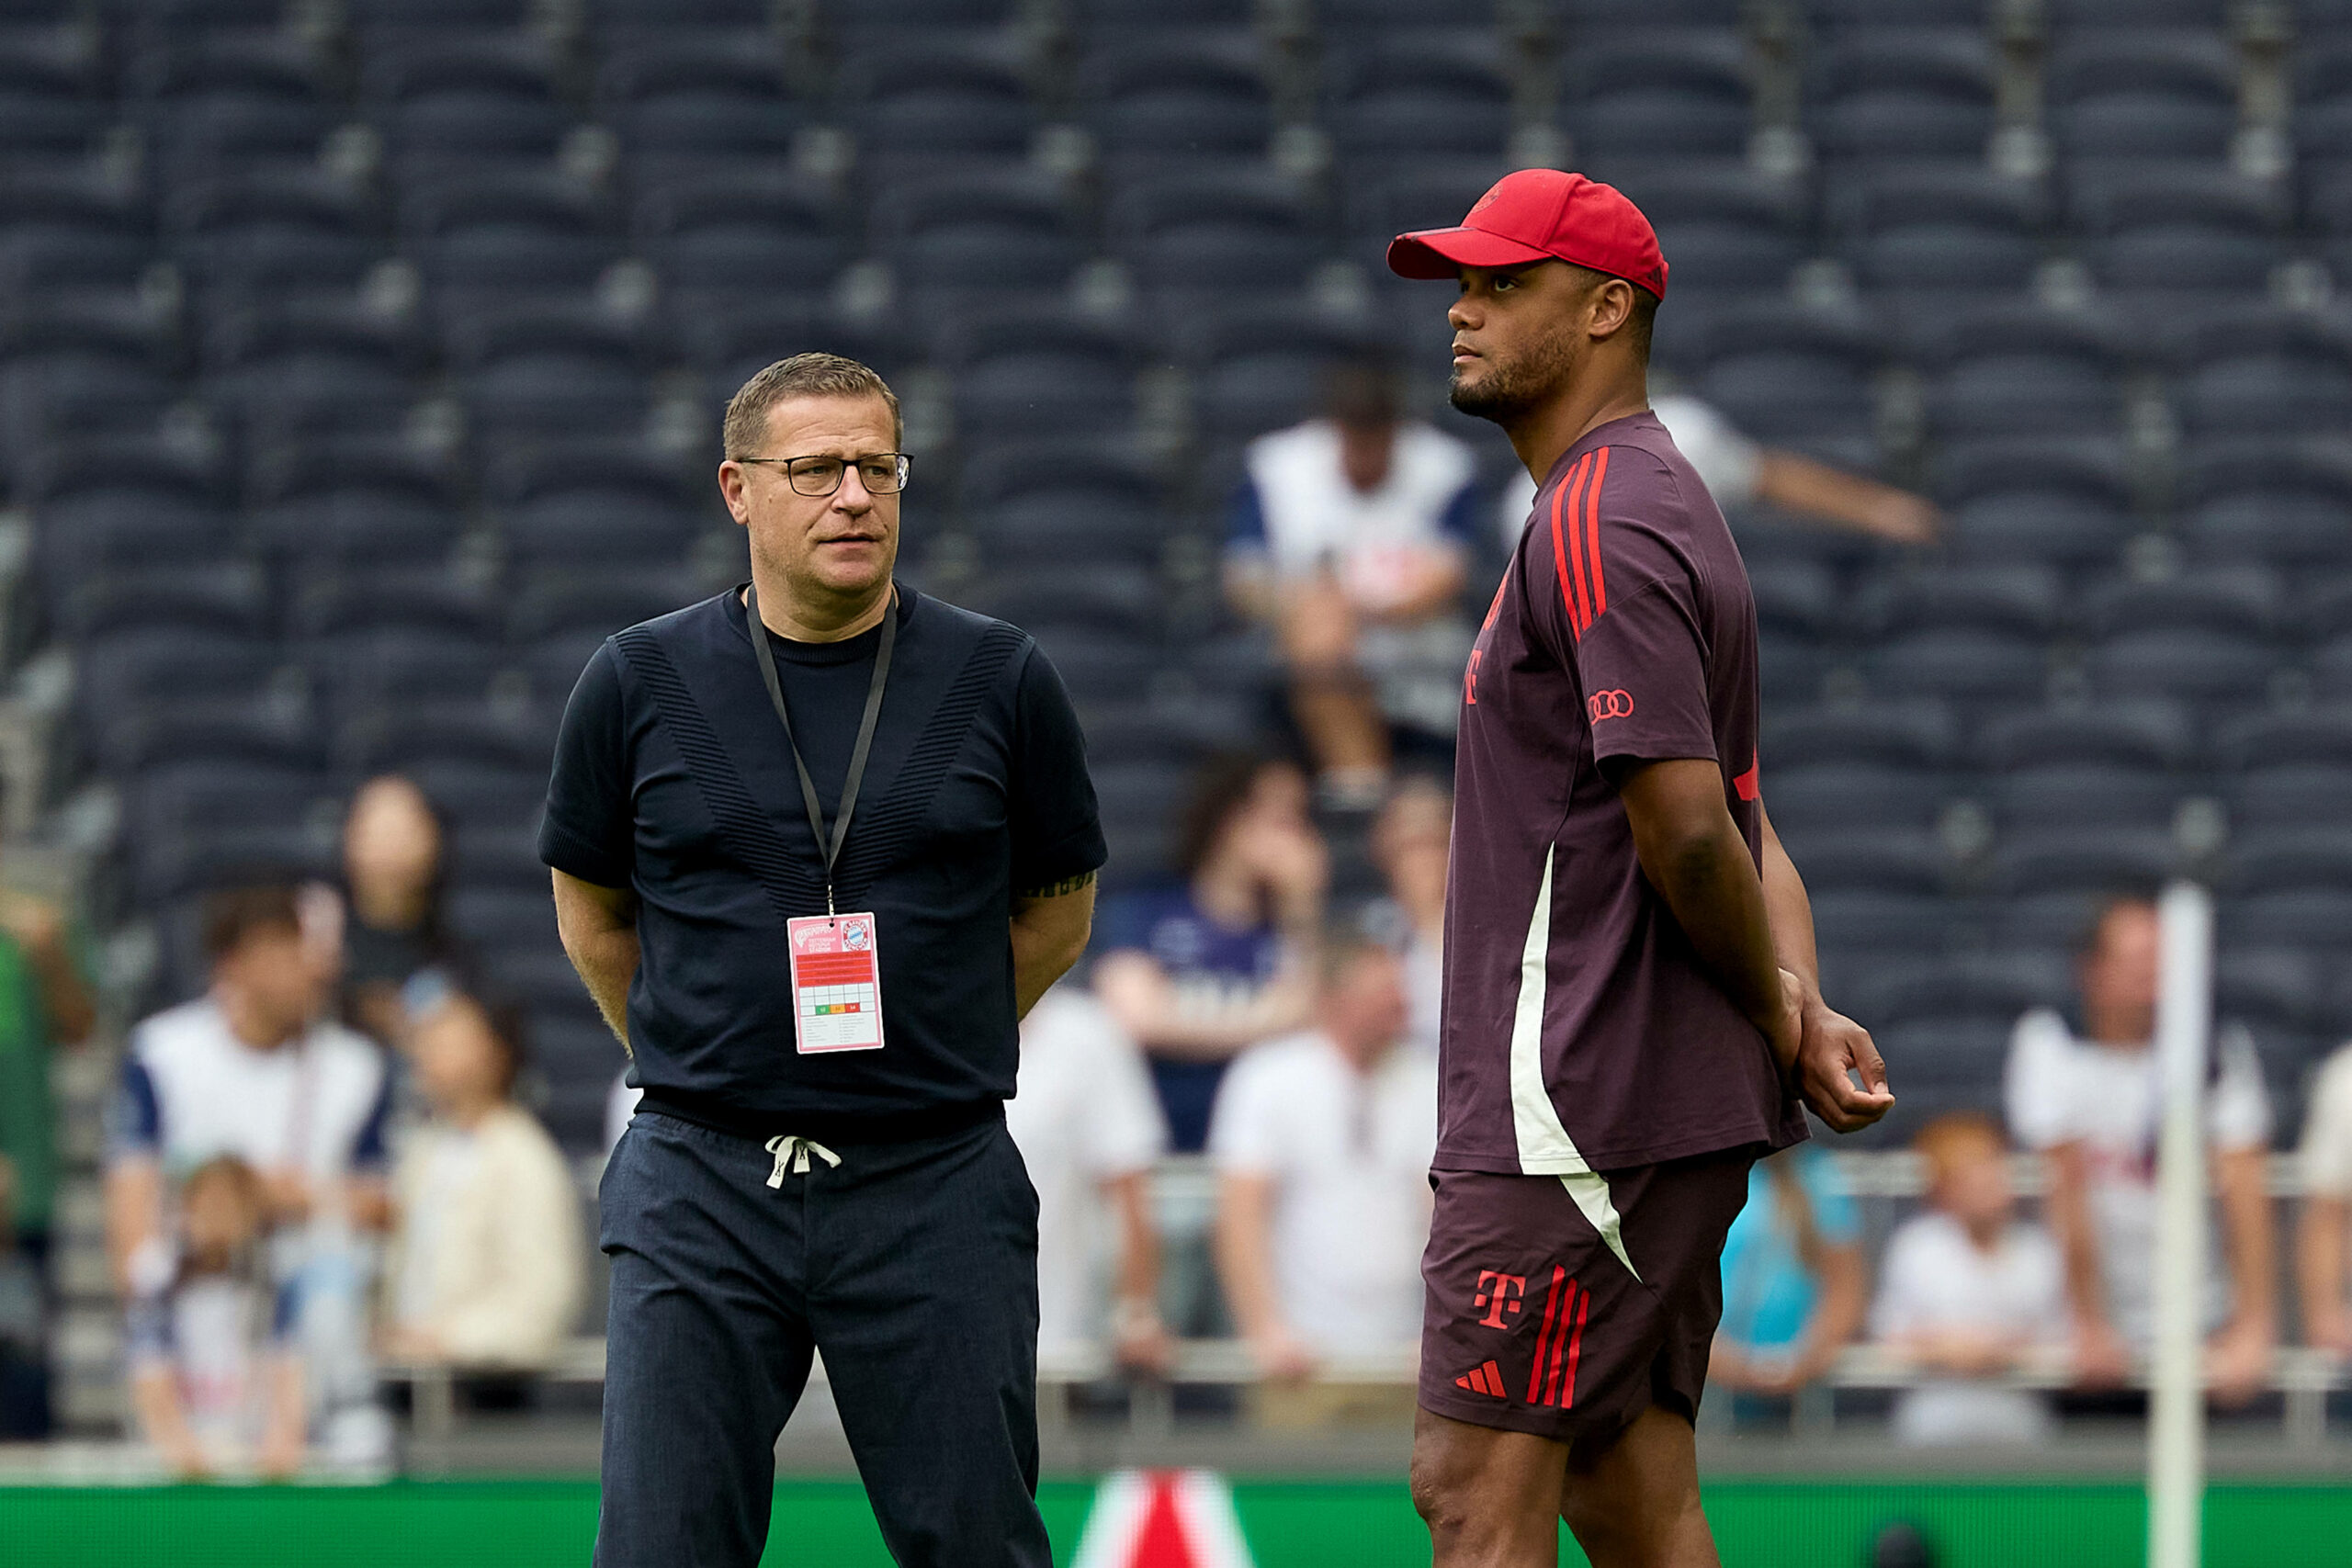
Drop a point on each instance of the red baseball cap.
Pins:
(1540, 215)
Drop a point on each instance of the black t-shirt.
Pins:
(673, 778)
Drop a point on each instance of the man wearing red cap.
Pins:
(1632, 1013)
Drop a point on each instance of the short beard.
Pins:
(1512, 391)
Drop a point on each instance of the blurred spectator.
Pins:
(393, 846)
(253, 1069)
(44, 1000)
(2321, 1251)
(486, 1265)
(1739, 474)
(215, 1374)
(1412, 840)
(1200, 972)
(2092, 1103)
(1090, 1131)
(1793, 1281)
(1350, 535)
(24, 1328)
(1322, 1147)
(1967, 1292)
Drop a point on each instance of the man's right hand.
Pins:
(1830, 1048)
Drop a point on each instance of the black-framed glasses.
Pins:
(882, 473)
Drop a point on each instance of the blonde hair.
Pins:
(1950, 1138)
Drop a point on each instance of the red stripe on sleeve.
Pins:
(1592, 532)
(1569, 563)
(1748, 785)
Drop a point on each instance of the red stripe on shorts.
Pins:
(1551, 1309)
(1575, 1349)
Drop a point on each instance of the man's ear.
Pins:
(1611, 308)
(731, 480)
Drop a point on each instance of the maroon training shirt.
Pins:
(1580, 1031)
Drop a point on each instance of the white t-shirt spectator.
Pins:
(1084, 1114)
(2061, 1089)
(193, 1092)
(1296, 513)
(2327, 1130)
(1729, 464)
(1349, 1155)
(1936, 1281)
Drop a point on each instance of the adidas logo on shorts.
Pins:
(1487, 1380)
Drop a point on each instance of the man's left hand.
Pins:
(1830, 1047)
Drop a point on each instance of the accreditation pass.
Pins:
(836, 984)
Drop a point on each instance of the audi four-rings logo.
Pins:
(1610, 704)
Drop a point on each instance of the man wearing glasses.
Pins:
(818, 844)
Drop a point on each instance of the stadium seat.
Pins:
(2143, 93)
(2240, 600)
(1853, 928)
(335, 600)
(1258, 368)
(698, 96)
(1003, 230)
(1051, 601)
(465, 97)
(359, 672)
(2267, 374)
(1992, 988)
(1037, 373)
(2323, 112)
(1840, 16)
(355, 502)
(2183, 662)
(2293, 795)
(935, 99)
(2310, 736)
(259, 232)
(2016, 369)
(1884, 94)
(566, 596)
(51, 96)
(571, 500)
(1911, 734)
(227, 598)
(94, 509)
(2148, 734)
(555, 368)
(1824, 798)
(1421, 92)
(145, 669)
(2035, 499)
(2283, 501)
(2055, 797)
(878, 24)
(1666, 92)
(633, 19)
(507, 232)
(2082, 859)
(1200, 236)
(307, 360)
(1939, 229)
(1172, 97)
(497, 733)
(1962, 666)
(1138, 802)
(1788, 373)
(2011, 600)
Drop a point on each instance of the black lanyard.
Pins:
(828, 848)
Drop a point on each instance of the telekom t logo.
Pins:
(1498, 1293)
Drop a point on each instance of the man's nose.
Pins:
(1460, 317)
(853, 496)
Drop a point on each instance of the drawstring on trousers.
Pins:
(792, 1155)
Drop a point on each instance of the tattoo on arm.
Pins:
(1062, 889)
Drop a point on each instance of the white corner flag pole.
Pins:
(2176, 1432)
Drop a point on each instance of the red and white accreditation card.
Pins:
(836, 984)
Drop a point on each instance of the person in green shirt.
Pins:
(44, 1002)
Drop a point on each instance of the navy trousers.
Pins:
(912, 1266)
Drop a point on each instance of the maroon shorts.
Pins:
(1532, 1324)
